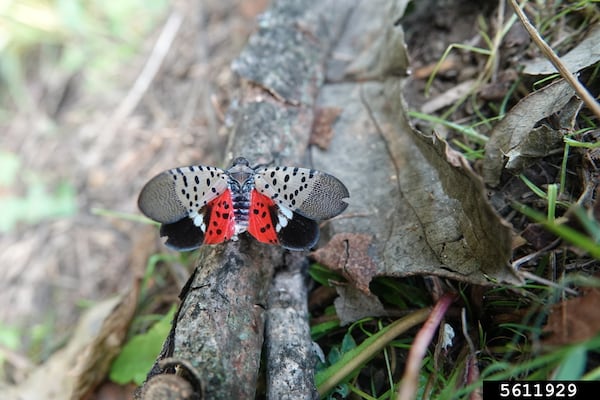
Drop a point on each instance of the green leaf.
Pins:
(348, 343)
(10, 164)
(400, 293)
(573, 365)
(10, 337)
(319, 330)
(323, 275)
(138, 355)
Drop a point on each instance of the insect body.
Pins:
(199, 205)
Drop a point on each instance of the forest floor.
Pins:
(77, 147)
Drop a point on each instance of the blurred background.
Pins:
(95, 98)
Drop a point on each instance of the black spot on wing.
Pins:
(182, 235)
(300, 233)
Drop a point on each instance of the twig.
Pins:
(518, 262)
(472, 367)
(539, 279)
(581, 90)
(143, 81)
(410, 379)
(290, 353)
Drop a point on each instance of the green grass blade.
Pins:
(327, 379)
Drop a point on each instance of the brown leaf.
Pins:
(348, 253)
(55, 378)
(94, 362)
(322, 131)
(537, 236)
(496, 91)
(539, 142)
(353, 304)
(574, 320)
(508, 135)
(584, 54)
(424, 208)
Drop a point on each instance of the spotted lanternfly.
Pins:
(199, 205)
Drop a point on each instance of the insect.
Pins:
(199, 205)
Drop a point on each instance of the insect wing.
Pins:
(275, 224)
(175, 193)
(182, 235)
(181, 200)
(300, 233)
(260, 218)
(310, 193)
(217, 219)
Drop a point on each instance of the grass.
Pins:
(506, 337)
(349, 357)
(506, 351)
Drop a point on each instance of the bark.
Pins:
(289, 348)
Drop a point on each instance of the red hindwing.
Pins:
(219, 219)
(260, 221)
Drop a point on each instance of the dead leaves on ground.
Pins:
(348, 254)
(423, 208)
(574, 320)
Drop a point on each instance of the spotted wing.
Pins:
(310, 193)
(275, 224)
(187, 202)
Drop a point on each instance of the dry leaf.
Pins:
(94, 362)
(348, 253)
(55, 380)
(353, 304)
(581, 56)
(539, 142)
(590, 174)
(449, 97)
(419, 201)
(322, 133)
(510, 133)
(574, 320)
